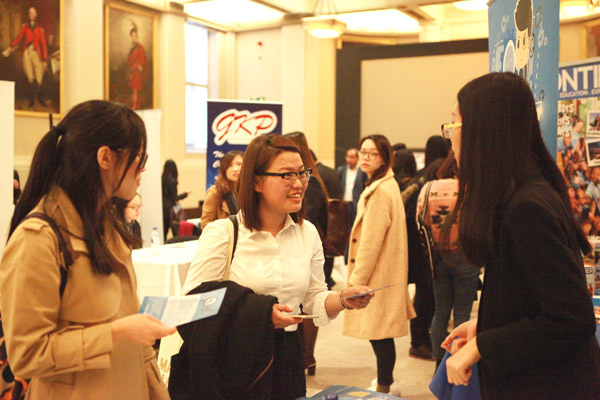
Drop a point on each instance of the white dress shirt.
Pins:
(349, 186)
(288, 266)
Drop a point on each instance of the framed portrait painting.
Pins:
(130, 59)
(31, 42)
(591, 39)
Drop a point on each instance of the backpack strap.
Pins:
(67, 258)
(424, 230)
(234, 228)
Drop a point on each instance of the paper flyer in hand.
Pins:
(179, 310)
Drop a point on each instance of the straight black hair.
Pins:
(501, 147)
(67, 157)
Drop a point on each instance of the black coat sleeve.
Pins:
(536, 244)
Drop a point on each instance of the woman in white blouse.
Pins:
(277, 253)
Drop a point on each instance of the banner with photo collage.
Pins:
(232, 125)
(578, 150)
(523, 39)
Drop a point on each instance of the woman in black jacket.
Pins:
(169, 193)
(534, 336)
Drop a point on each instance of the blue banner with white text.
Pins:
(523, 39)
(233, 124)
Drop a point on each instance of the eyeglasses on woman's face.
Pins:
(143, 157)
(290, 177)
(368, 154)
(447, 129)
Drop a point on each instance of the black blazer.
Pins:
(536, 326)
(359, 185)
(229, 355)
(331, 181)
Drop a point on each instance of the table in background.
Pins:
(161, 271)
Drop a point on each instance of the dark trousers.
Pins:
(424, 304)
(289, 381)
(328, 269)
(385, 352)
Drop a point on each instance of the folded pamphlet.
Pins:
(179, 310)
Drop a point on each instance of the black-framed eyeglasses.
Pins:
(290, 177)
(143, 159)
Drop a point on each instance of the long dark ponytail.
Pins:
(67, 157)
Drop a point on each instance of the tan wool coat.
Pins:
(378, 256)
(214, 207)
(64, 345)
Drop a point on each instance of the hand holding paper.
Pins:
(179, 310)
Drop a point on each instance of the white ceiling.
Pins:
(423, 11)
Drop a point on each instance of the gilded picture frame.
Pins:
(130, 62)
(31, 46)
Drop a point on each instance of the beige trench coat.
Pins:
(214, 207)
(378, 256)
(65, 344)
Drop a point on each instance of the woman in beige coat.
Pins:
(87, 341)
(221, 199)
(378, 256)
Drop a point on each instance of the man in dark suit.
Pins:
(353, 181)
(330, 178)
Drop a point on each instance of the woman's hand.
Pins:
(142, 329)
(458, 366)
(356, 302)
(466, 330)
(281, 319)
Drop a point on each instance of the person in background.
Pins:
(436, 147)
(86, 341)
(379, 257)
(353, 182)
(316, 212)
(274, 235)
(419, 271)
(16, 186)
(329, 177)
(397, 147)
(535, 332)
(169, 194)
(129, 212)
(334, 191)
(221, 199)
(455, 279)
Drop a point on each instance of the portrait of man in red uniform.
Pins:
(130, 50)
(29, 55)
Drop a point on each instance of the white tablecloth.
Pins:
(161, 271)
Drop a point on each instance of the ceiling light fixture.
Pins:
(324, 25)
(471, 5)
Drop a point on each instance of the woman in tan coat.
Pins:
(221, 199)
(83, 340)
(378, 256)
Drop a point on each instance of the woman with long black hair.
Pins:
(78, 335)
(534, 336)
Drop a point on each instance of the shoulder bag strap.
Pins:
(234, 228)
(423, 228)
(67, 258)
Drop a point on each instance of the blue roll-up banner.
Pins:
(523, 39)
(232, 125)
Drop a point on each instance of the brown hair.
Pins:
(384, 148)
(309, 162)
(258, 157)
(223, 184)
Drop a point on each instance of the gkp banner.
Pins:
(233, 124)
